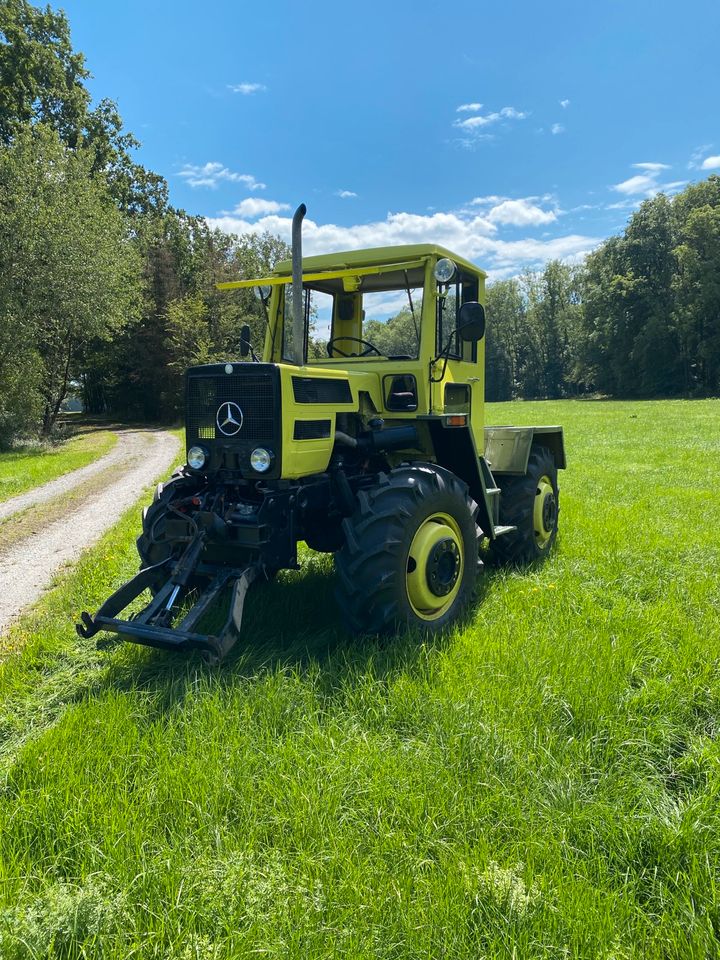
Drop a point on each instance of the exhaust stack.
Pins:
(297, 297)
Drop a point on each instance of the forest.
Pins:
(107, 291)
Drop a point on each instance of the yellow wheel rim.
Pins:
(435, 565)
(544, 512)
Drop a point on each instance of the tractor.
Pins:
(361, 432)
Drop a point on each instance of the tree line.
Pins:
(640, 317)
(108, 291)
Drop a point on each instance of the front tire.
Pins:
(153, 546)
(530, 503)
(410, 556)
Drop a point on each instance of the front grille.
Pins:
(254, 394)
(255, 389)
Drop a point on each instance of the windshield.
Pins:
(376, 315)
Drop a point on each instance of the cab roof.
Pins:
(376, 256)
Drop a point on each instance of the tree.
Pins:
(70, 274)
(42, 77)
(396, 336)
(504, 344)
(43, 82)
(697, 299)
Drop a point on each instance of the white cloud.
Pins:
(468, 108)
(641, 183)
(247, 89)
(696, 158)
(557, 128)
(469, 235)
(490, 200)
(624, 205)
(480, 120)
(520, 213)
(646, 184)
(652, 167)
(256, 207)
(471, 140)
(710, 163)
(212, 173)
(472, 123)
(345, 194)
(564, 104)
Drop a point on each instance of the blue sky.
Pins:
(510, 132)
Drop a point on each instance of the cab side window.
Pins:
(462, 289)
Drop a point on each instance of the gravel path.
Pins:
(28, 568)
(48, 491)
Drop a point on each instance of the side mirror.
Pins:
(244, 340)
(471, 322)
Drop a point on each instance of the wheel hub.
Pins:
(443, 567)
(435, 565)
(549, 512)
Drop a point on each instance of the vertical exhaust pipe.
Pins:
(297, 291)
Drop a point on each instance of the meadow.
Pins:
(30, 466)
(542, 782)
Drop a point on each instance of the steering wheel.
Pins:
(366, 343)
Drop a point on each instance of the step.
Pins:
(500, 530)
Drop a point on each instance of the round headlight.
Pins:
(444, 270)
(260, 459)
(196, 458)
(262, 292)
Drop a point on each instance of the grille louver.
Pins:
(321, 390)
(311, 430)
(253, 394)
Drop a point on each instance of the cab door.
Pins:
(460, 386)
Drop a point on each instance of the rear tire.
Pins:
(530, 503)
(410, 556)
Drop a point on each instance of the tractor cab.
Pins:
(411, 317)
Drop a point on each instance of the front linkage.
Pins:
(171, 583)
(202, 541)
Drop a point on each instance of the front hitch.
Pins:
(155, 625)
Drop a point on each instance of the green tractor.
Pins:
(376, 452)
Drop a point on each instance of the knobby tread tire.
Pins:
(517, 502)
(178, 485)
(371, 565)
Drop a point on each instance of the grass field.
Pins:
(30, 466)
(543, 782)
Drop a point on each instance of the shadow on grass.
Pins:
(291, 624)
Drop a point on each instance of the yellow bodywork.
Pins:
(302, 458)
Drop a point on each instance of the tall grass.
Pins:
(31, 465)
(543, 782)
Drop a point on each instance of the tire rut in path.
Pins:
(28, 568)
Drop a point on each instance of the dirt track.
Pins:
(27, 568)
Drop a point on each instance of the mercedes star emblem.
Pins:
(229, 419)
